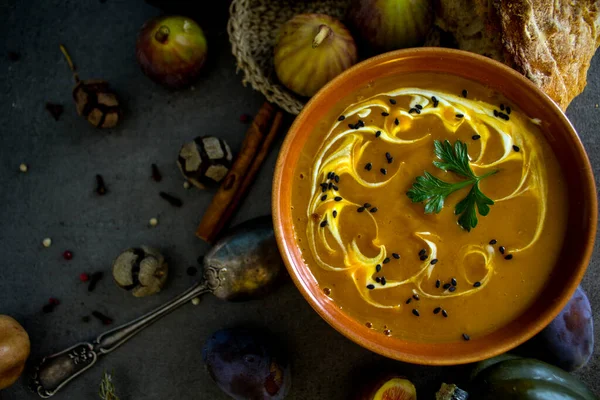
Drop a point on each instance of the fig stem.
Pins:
(63, 49)
(324, 32)
(162, 34)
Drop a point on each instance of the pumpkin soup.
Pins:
(429, 208)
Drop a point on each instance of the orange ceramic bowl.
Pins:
(581, 229)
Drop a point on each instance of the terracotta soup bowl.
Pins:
(558, 132)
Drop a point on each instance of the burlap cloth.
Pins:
(253, 28)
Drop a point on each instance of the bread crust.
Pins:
(551, 42)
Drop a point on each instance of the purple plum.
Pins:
(569, 339)
(247, 364)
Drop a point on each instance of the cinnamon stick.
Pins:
(211, 223)
(240, 194)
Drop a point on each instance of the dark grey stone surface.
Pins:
(55, 199)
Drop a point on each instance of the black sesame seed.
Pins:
(396, 122)
(337, 198)
(419, 107)
(422, 252)
(337, 179)
(502, 249)
(386, 260)
(324, 197)
(351, 126)
(377, 134)
(418, 111)
(360, 209)
(341, 118)
(367, 205)
(464, 93)
(495, 113)
(330, 175)
(368, 166)
(385, 114)
(435, 101)
(476, 137)
(377, 279)
(323, 223)
(330, 185)
(408, 300)
(503, 116)
(445, 313)
(390, 160)
(452, 289)
(392, 101)
(502, 106)
(446, 286)
(335, 187)
(459, 115)
(323, 187)
(466, 337)
(383, 281)
(370, 286)
(438, 283)
(453, 282)
(434, 261)
(493, 241)
(437, 310)
(383, 171)
(508, 110)
(360, 123)
(416, 297)
(373, 210)
(508, 257)
(516, 148)
(423, 257)
(412, 110)
(388, 155)
(334, 213)
(415, 312)
(378, 267)
(477, 284)
(396, 256)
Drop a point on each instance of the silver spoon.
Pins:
(242, 265)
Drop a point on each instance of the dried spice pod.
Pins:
(205, 161)
(94, 99)
(142, 270)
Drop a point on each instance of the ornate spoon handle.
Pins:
(55, 371)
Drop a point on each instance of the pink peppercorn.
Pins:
(67, 255)
(84, 277)
(53, 301)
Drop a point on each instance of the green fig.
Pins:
(312, 49)
(385, 25)
(171, 50)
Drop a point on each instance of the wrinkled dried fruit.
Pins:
(141, 270)
(385, 25)
(171, 50)
(390, 388)
(205, 161)
(14, 350)
(312, 49)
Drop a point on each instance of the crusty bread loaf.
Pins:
(551, 42)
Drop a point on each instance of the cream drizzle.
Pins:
(342, 151)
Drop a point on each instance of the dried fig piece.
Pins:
(141, 270)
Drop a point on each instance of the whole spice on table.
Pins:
(100, 185)
(55, 110)
(94, 279)
(156, 175)
(102, 318)
(257, 143)
(94, 98)
(172, 200)
(205, 161)
(141, 270)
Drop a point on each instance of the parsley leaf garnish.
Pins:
(434, 191)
